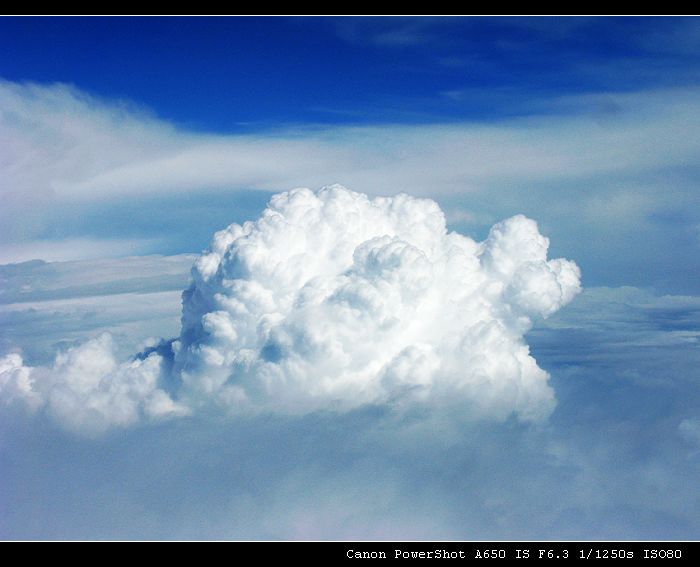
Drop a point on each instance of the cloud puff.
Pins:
(87, 390)
(331, 301)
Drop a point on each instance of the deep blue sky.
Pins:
(224, 74)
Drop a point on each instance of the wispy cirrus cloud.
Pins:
(617, 163)
(57, 138)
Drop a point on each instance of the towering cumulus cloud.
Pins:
(331, 301)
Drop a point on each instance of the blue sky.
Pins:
(125, 143)
(223, 75)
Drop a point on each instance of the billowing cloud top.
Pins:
(331, 301)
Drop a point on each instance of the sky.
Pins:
(507, 351)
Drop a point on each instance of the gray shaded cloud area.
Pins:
(618, 459)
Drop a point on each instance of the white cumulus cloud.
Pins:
(330, 301)
(87, 390)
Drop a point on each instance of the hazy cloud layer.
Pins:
(50, 307)
(618, 458)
